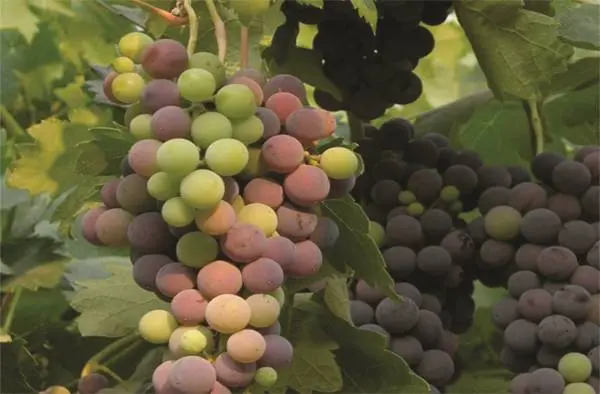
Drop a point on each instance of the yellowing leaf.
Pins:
(368, 11)
(17, 15)
(57, 6)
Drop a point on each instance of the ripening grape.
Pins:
(285, 83)
(326, 233)
(160, 377)
(140, 128)
(307, 185)
(250, 83)
(278, 353)
(132, 194)
(264, 191)
(91, 384)
(171, 122)
(133, 45)
(294, 222)
(266, 376)
(178, 157)
(284, 104)
(210, 127)
(163, 186)
(248, 130)
(339, 162)
(251, 73)
(193, 342)
(175, 347)
(216, 221)
(111, 227)
(264, 310)
(196, 249)
(128, 87)
(196, 85)
(123, 64)
(165, 58)
(145, 269)
(177, 213)
(579, 388)
(210, 62)
(159, 93)
(56, 390)
(502, 223)
(202, 189)
(192, 374)
(235, 101)
(260, 215)
(283, 153)
(228, 313)
(142, 157)
(88, 225)
(305, 124)
(227, 156)
(281, 250)
(219, 388)
(575, 367)
(188, 307)
(157, 326)
(262, 276)
(246, 346)
(174, 278)
(219, 277)
(107, 86)
(149, 233)
(307, 260)
(244, 242)
(233, 374)
(270, 121)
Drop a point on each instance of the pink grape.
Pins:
(262, 276)
(219, 277)
(307, 260)
(146, 268)
(278, 352)
(281, 250)
(189, 307)
(307, 185)
(244, 242)
(282, 153)
(174, 278)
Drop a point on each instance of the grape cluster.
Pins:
(89, 384)
(218, 201)
(372, 71)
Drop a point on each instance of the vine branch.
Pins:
(537, 127)
(220, 32)
(13, 128)
(104, 353)
(357, 130)
(244, 46)
(193, 24)
(166, 15)
(10, 315)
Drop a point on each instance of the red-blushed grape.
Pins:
(228, 313)
(233, 374)
(107, 86)
(146, 268)
(285, 83)
(283, 104)
(160, 378)
(281, 250)
(216, 221)
(265, 310)
(192, 375)
(294, 222)
(307, 185)
(108, 193)
(170, 122)
(270, 121)
(307, 260)
(282, 153)
(325, 233)
(274, 329)
(305, 124)
(149, 233)
(252, 85)
(111, 227)
(159, 93)
(260, 215)
(88, 225)
(278, 353)
(339, 188)
(165, 58)
(251, 73)
(92, 383)
(244, 242)
(189, 307)
(142, 157)
(246, 346)
(262, 275)
(219, 277)
(133, 196)
(219, 388)
(174, 278)
(264, 191)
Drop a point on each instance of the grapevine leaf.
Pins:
(11, 197)
(17, 15)
(518, 50)
(314, 3)
(355, 247)
(142, 376)
(580, 26)
(499, 132)
(306, 65)
(335, 296)
(582, 72)
(38, 308)
(57, 6)
(314, 368)
(112, 307)
(368, 11)
(135, 15)
(306, 322)
(327, 270)
(368, 367)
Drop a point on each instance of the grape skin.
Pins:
(264, 191)
(305, 124)
(570, 177)
(178, 157)
(165, 58)
(325, 233)
(521, 336)
(111, 227)
(228, 313)
(170, 122)
(577, 236)
(361, 313)
(284, 104)
(132, 194)
(159, 93)
(522, 281)
(149, 233)
(285, 83)
(587, 277)
(270, 121)
(557, 263)
(436, 367)
(307, 260)
(244, 242)
(278, 353)
(264, 310)
(306, 185)
(246, 346)
(216, 221)
(162, 186)
(227, 157)
(210, 62)
(92, 383)
(434, 260)
(535, 304)
(160, 377)
(261, 215)
(192, 374)
(339, 163)
(233, 374)
(127, 88)
(235, 101)
(252, 85)
(248, 130)
(403, 230)
(282, 153)
(88, 225)
(202, 189)
(142, 157)
(156, 326)
(189, 307)
(196, 84)
(146, 268)
(219, 277)
(262, 276)
(397, 317)
(295, 223)
(174, 278)
(428, 329)
(210, 127)
(196, 249)
(557, 331)
(409, 348)
(177, 213)
(571, 301)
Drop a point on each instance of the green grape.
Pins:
(415, 209)
(449, 194)
(163, 186)
(196, 249)
(196, 85)
(178, 156)
(376, 232)
(456, 207)
(133, 45)
(123, 64)
(227, 157)
(235, 101)
(127, 87)
(56, 390)
(202, 189)
(579, 388)
(279, 295)
(264, 310)
(260, 215)
(210, 340)
(209, 62)
(406, 197)
(339, 162)
(157, 326)
(210, 127)
(266, 376)
(139, 127)
(575, 367)
(248, 130)
(177, 213)
(193, 342)
(131, 112)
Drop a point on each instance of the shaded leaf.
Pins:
(327, 270)
(112, 307)
(582, 72)
(580, 26)
(368, 11)
(335, 296)
(315, 3)
(17, 15)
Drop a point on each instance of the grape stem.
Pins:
(244, 46)
(220, 32)
(357, 131)
(167, 16)
(107, 351)
(112, 374)
(193, 25)
(537, 127)
(10, 315)
(13, 129)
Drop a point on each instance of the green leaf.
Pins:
(17, 15)
(327, 270)
(112, 307)
(38, 308)
(580, 26)
(367, 366)
(306, 65)
(487, 297)
(314, 368)
(314, 3)
(354, 246)
(499, 132)
(518, 50)
(582, 72)
(335, 296)
(368, 11)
